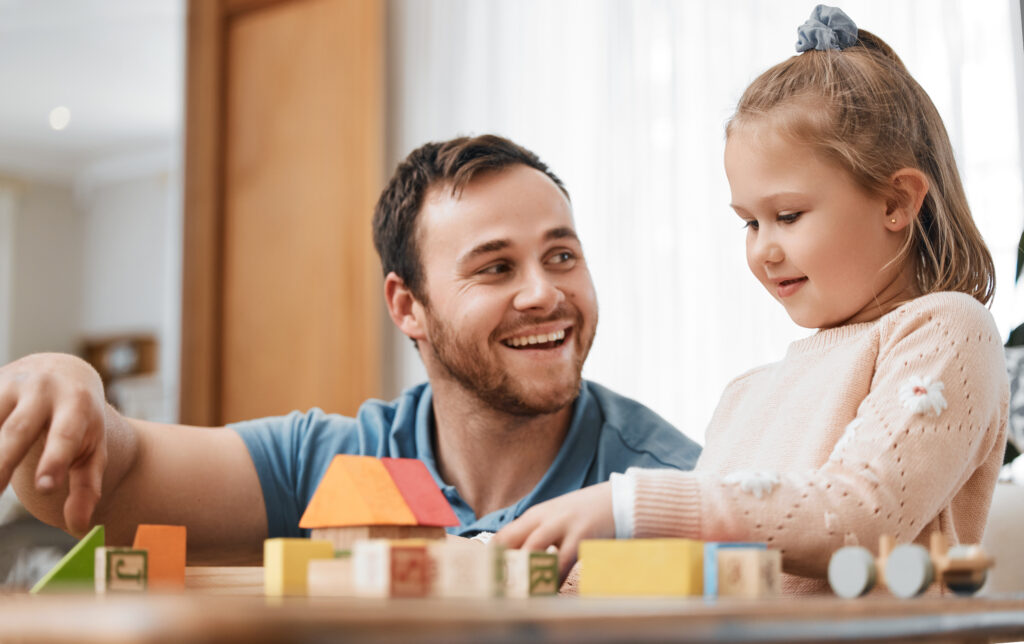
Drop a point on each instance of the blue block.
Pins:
(711, 562)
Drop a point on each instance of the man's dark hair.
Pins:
(453, 163)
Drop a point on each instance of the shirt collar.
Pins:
(567, 472)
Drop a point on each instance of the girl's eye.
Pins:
(789, 217)
(750, 224)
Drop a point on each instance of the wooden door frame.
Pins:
(202, 273)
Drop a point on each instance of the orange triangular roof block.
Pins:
(363, 490)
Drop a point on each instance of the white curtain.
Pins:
(626, 101)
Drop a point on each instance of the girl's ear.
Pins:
(403, 307)
(909, 187)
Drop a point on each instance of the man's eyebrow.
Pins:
(561, 233)
(492, 246)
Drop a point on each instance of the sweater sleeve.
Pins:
(932, 419)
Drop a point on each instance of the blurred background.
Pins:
(186, 187)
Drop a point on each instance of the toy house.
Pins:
(362, 497)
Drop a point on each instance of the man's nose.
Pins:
(538, 291)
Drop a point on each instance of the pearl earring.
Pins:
(893, 220)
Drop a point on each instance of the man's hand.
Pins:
(52, 415)
(563, 522)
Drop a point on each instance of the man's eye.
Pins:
(496, 269)
(562, 257)
(789, 217)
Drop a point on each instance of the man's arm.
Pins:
(77, 462)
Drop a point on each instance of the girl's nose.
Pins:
(766, 250)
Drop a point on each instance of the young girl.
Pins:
(891, 419)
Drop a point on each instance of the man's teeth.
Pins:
(536, 339)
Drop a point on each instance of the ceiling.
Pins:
(117, 65)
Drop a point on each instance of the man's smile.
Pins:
(537, 339)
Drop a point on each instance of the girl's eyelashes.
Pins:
(789, 217)
(750, 224)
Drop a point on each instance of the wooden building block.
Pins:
(530, 574)
(166, 547)
(852, 572)
(356, 490)
(121, 570)
(420, 492)
(345, 537)
(286, 564)
(467, 570)
(76, 571)
(382, 568)
(653, 567)
(331, 577)
(749, 572)
(711, 570)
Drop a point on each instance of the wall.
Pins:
(47, 262)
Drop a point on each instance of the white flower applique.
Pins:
(922, 395)
(759, 484)
(848, 435)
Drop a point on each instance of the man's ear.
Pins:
(909, 187)
(403, 307)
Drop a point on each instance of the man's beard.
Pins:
(482, 376)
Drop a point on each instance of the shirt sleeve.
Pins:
(929, 422)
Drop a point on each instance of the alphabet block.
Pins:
(466, 570)
(121, 570)
(530, 574)
(711, 568)
(749, 572)
(286, 562)
(331, 577)
(651, 567)
(391, 568)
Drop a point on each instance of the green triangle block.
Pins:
(77, 570)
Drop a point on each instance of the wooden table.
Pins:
(211, 613)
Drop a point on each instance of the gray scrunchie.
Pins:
(827, 28)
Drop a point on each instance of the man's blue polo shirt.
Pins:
(609, 433)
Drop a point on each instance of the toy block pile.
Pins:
(678, 567)
(156, 561)
(377, 530)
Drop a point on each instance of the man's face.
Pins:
(511, 309)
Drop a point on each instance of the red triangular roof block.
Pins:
(362, 490)
(420, 492)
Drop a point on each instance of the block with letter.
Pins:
(76, 571)
(121, 570)
(467, 570)
(382, 568)
(530, 574)
(711, 568)
(286, 564)
(650, 567)
(166, 547)
(752, 573)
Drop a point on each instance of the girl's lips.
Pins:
(786, 288)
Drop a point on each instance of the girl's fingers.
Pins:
(18, 433)
(514, 534)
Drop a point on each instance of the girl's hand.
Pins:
(563, 522)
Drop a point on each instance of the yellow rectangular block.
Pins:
(652, 567)
(286, 564)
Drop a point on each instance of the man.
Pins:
(485, 273)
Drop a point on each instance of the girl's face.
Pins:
(815, 239)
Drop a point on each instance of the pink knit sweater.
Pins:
(895, 426)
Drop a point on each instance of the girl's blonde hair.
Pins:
(861, 108)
